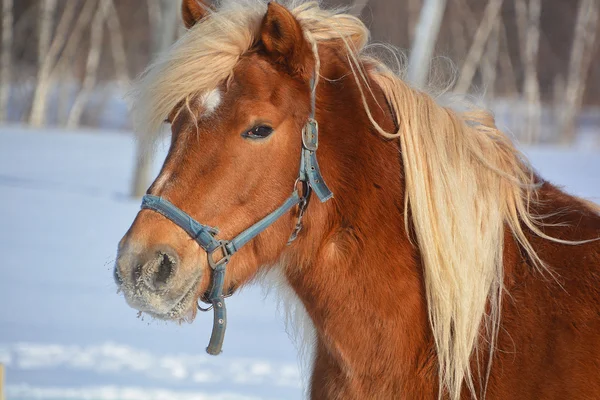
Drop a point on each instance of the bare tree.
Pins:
(582, 53)
(531, 87)
(6, 57)
(428, 27)
(66, 58)
(47, 8)
(473, 59)
(46, 18)
(509, 80)
(558, 102)
(163, 16)
(488, 68)
(91, 68)
(116, 44)
(44, 81)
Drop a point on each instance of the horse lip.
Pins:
(184, 303)
(179, 308)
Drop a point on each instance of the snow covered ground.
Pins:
(66, 334)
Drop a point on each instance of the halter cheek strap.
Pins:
(309, 167)
(310, 177)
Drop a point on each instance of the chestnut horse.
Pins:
(443, 267)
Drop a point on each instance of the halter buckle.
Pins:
(302, 205)
(310, 135)
(221, 262)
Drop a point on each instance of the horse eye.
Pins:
(258, 132)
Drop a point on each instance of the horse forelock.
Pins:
(465, 181)
(206, 55)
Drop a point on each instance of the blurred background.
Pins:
(70, 177)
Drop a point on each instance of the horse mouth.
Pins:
(184, 307)
(155, 305)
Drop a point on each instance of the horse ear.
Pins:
(193, 11)
(284, 42)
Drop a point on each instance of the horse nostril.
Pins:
(165, 270)
(157, 274)
(152, 269)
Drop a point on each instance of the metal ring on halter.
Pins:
(202, 308)
(296, 183)
(305, 188)
(211, 306)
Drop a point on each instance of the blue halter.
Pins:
(310, 178)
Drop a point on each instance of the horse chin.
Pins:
(182, 309)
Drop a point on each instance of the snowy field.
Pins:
(66, 334)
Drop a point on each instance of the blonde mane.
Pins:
(465, 181)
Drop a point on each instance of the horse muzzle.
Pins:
(153, 280)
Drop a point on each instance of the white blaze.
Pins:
(210, 101)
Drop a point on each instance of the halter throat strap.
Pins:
(219, 252)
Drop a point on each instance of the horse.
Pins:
(428, 256)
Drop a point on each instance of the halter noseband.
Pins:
(309, 176)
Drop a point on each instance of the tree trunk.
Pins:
(47, 7)
(44, 81)
(91, 68)
(531, 87)
(509, 80)
(65, 60)
(489, 66)
(428, 27)
(117, 45)
(163, 22)
(491, 15)
(6, 57)
(582, 54)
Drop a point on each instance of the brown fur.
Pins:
(353, 266)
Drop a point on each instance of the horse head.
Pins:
(234, 158)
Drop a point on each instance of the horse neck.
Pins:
(357, 273)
